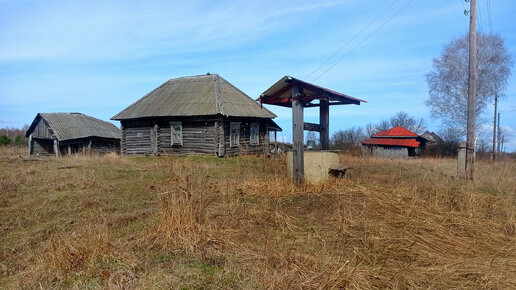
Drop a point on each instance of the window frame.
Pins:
(236, 142)
(254, 140)
(173, 125)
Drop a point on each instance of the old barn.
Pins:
(67, 133)
(397, 142)
(202, 114)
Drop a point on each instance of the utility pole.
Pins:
(494, 127)
(472, 90)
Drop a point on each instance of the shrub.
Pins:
(5, 140)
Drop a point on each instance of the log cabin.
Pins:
(202, 114)
(68, 133)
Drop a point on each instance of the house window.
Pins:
(234, 134)
(255, 133)
(176, 133)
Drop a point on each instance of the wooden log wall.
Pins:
(245, 146)
(42, 130)
(103, 146)
(208, 136)
(42, 147)
(199, 137)
(390, 152)
(137, 137)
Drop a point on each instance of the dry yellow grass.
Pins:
(203, 222)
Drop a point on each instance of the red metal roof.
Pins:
(396, 132)
(392, 142)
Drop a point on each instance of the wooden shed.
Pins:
(67, 133)
(202, 114)
(397, 142)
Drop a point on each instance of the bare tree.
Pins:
(400, 119)
(410, 123)
(383, 125)
(347, 139)
(505, 136)
(370, 129)
(450, 141)
(448, 79)
(483, 140)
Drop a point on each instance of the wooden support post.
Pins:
(31, 145)
(122, 140)
(69, 150)
(276, 140)
(89, 147)
(298, 165)
(56, 148)
(155, 140)
(324, 121)
(267, 140)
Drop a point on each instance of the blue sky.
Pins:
(97, 57)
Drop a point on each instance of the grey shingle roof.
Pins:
(195, 96)
(67, 126)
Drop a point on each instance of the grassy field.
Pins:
(203, 222)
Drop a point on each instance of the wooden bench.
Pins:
(338, 172)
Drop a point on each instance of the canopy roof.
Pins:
(67, 126)
(280, 94)
(201, 95)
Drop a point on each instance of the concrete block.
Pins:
(317, 164)
(461, 160)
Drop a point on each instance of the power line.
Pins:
(363, 41)
(463, 6)
(351, 40)
(480, 17)
(488, 5)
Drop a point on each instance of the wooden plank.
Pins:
(332, 104)
(324, 121)
(298, 132)
(312, 127)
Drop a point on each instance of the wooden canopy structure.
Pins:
(297, 94)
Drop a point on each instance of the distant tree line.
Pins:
(13, 136)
